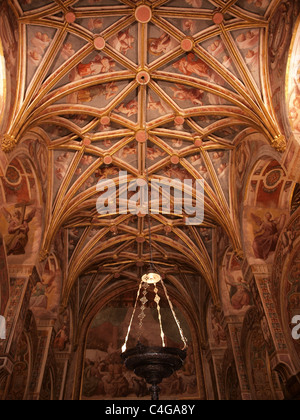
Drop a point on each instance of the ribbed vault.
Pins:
(160, 89)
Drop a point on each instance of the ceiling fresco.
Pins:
(159, 89)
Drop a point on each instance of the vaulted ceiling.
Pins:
(160, 89)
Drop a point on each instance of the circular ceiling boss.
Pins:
(143, 78)
(70, 17)
(143, 14)
(99, 43)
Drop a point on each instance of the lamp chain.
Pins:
(142, 314)
(157, 301)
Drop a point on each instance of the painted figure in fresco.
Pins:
(67, 51)
(174, 172)
(177, 143)
(192, 65)
(154, 153)
(61, 165)
(123, 42)
(40, 43)
(288, 238)
(227, 61)
(294, 112)
(95, 24)
(8, 38)
(103, 173)
(90, 384)
(18, 229)
(217, 330)
(99, 65)
(128, 151)
(216, 48)
(189, 25)
(87, 95)
(161, 45)
(182, 93)
(129, 109)
(252, 58)
(45, 297)
(199, 165)
(61, 339)
(157, 106)
(104, 376)
(249, 41)
(34, 57)
(267, 236)
(38, 297)
(239, 293)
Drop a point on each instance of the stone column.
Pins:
(62, 362)
(279, 354)
(214, 360)
(45, 337)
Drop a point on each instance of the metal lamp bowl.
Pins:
(154, 364)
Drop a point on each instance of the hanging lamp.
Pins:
(153, 363)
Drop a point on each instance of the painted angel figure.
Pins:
(45, 296)
(287, 239)
(61, 165)
(61, 339)
(18, 229)
(182, 93)
(67, 51)
(161, 45)
(218, 331)
(154, 153)
(41, 42)
(123, 42)
(240, 296)
(266, 237)
(192, 65)
(99, 65)
(129, 110)
(189, 25)
(157, 106)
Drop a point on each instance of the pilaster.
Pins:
(234, 326)
(278, 350)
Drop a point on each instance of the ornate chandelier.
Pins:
(153, 363)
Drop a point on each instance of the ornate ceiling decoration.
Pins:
(171, 87)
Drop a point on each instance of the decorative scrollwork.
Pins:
(8, 143)
(279, 143)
